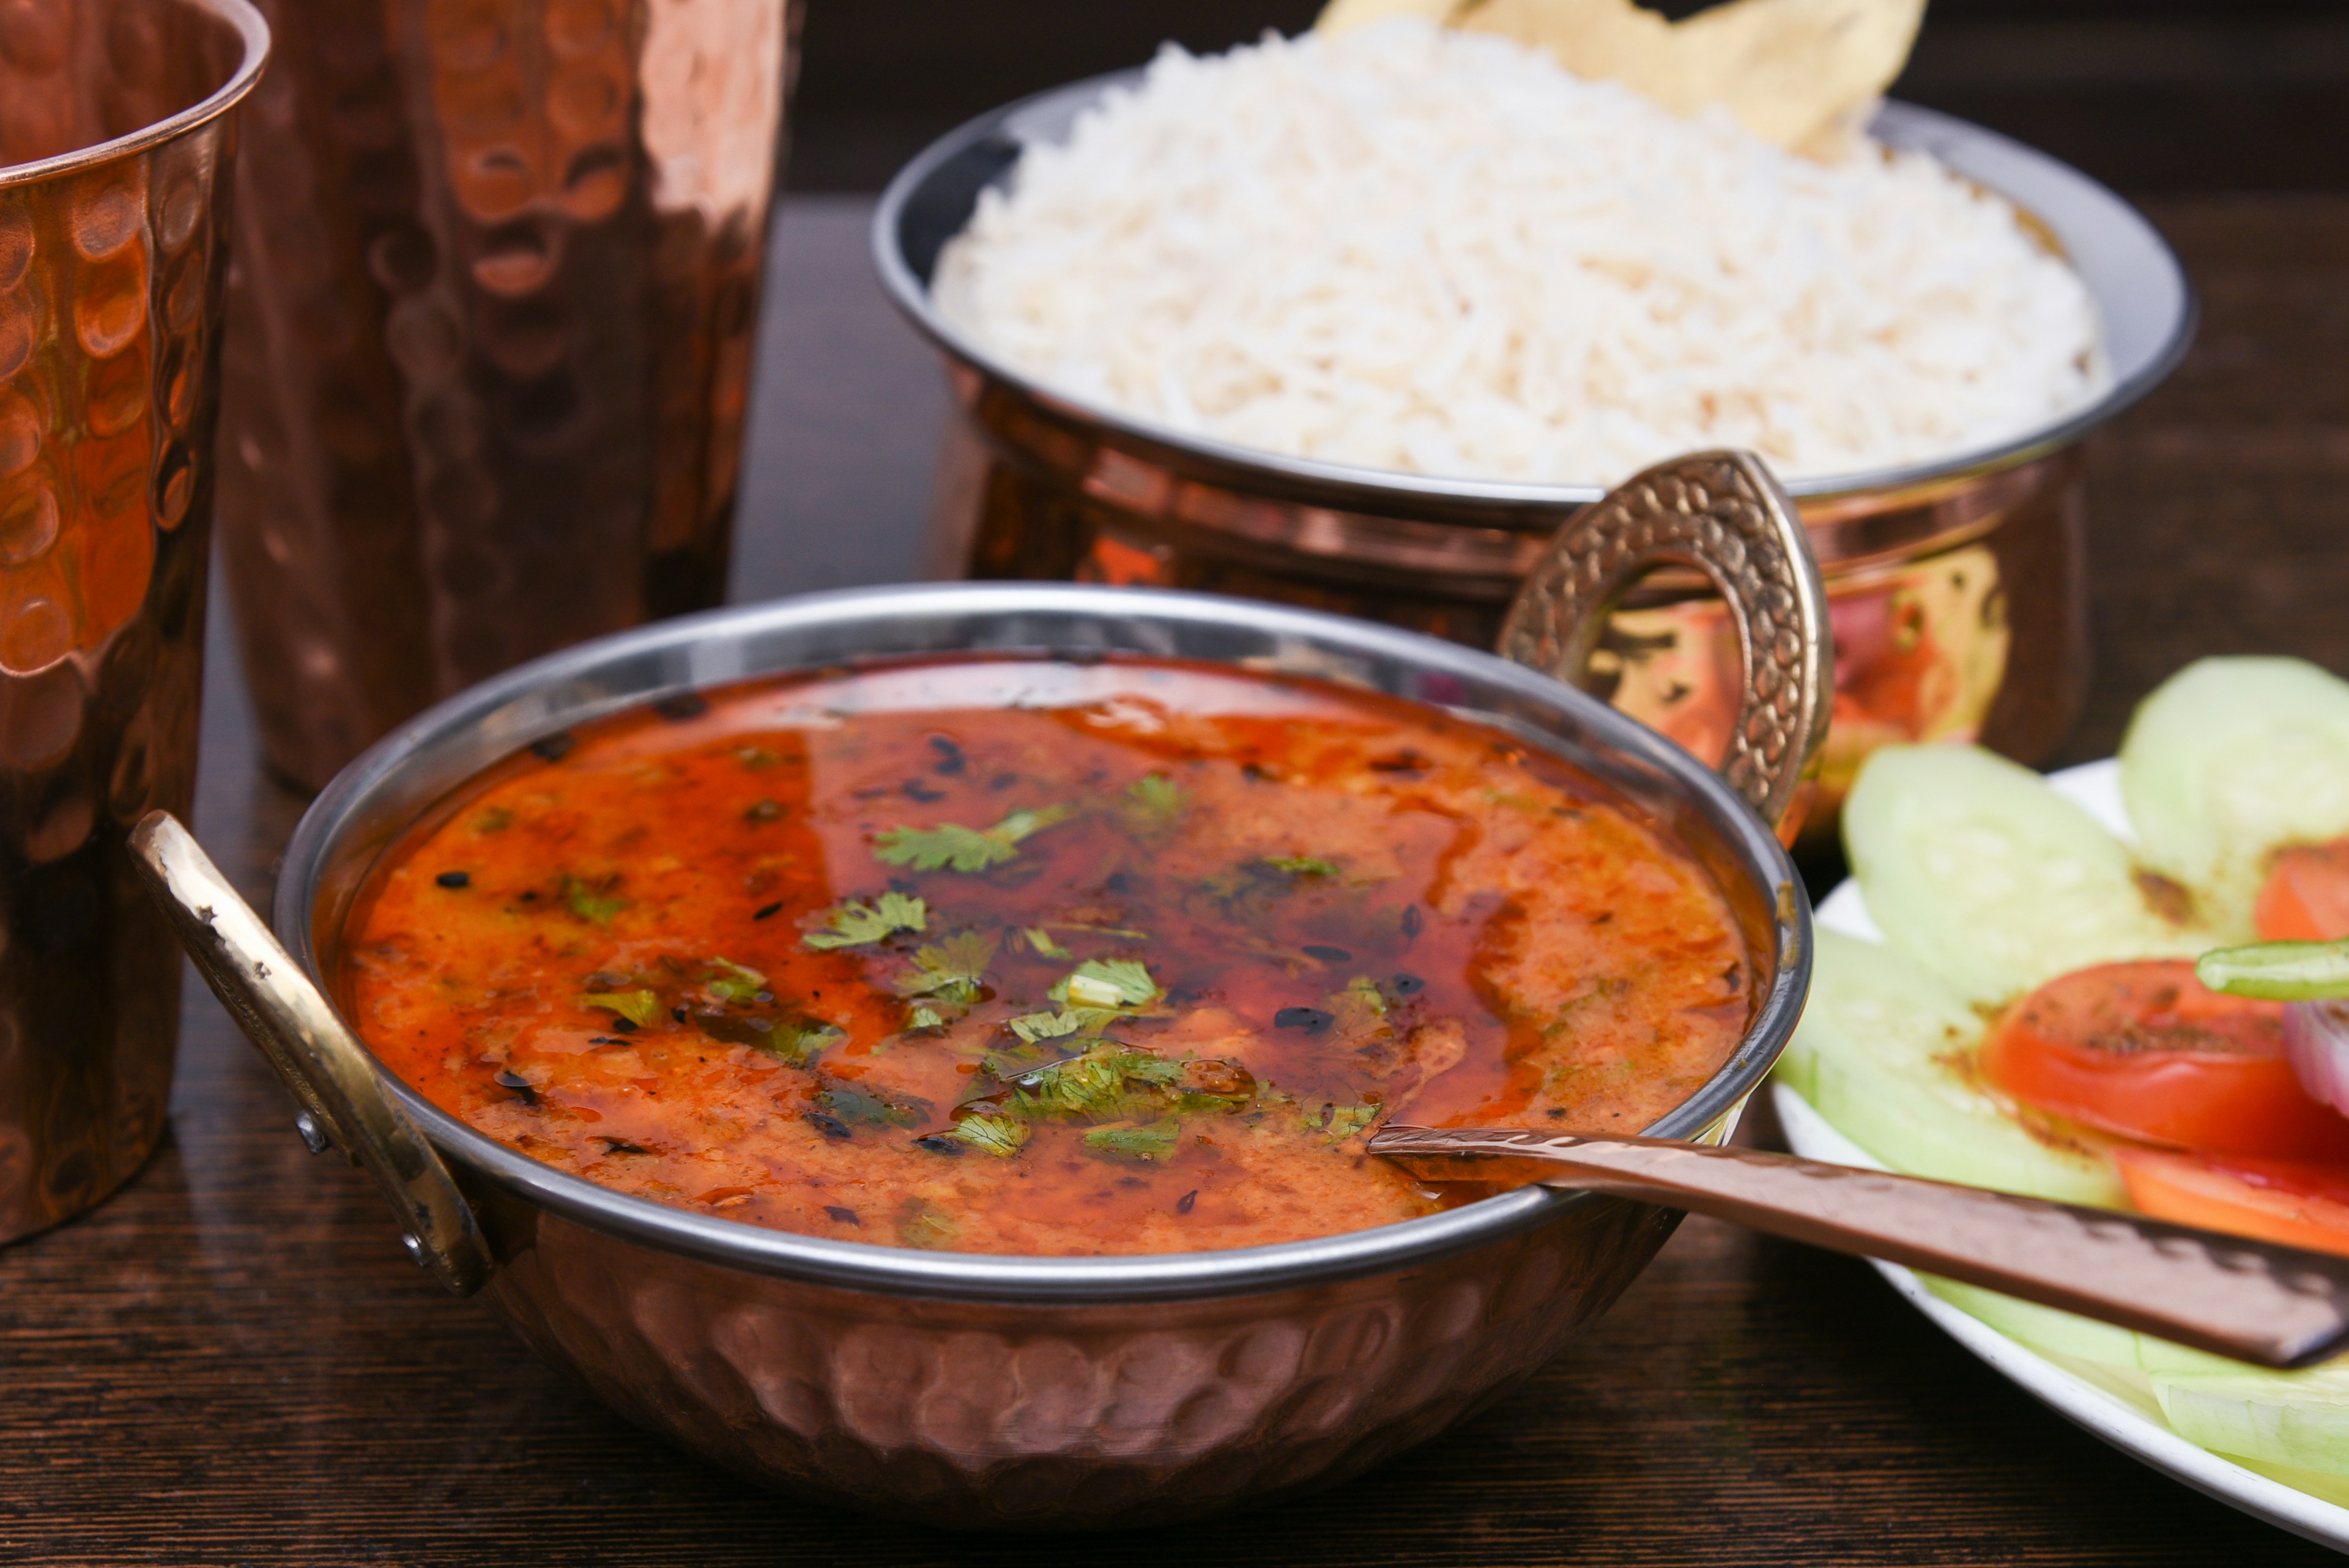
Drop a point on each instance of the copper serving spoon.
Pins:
(2275, 1305)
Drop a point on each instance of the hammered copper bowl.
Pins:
(1957, 586)
(1038, 1392)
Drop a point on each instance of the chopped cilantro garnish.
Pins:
(924, 1018)
(795, 1038)
(854, 924)
(1154, 803)
(1358, 1014)
(1153, 1141)
(733, 981)
(588, 904)
(1212, 1083)
(953, 969)
(1034, 1026)
(991, 1129)
(851, 1103)
(496, 819)
(1092, 1084)
(952, 846)
(638, 1007)
(921, 1223)
(1301, 865)
(1337, 1123)
(798, 1038)
(1107, 982)
(1042, 940)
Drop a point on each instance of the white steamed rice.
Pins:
(1413, 249)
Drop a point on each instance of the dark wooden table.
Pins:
(231, 1362)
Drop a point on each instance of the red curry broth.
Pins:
(1036, 956)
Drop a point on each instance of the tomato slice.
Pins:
(2306, 896)
(2146, 1051)
(2297, 1202)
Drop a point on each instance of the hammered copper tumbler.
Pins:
(497, 275)
(116, 145)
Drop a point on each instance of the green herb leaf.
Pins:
(924, 1018)
(798, 1038)
(2279, 971)
(1301, 865)
(851, 1103)
(1034, 1026)
(1337, 1123)
(921, 1223)
(951, 846)
(991, 1129)
(496, 819)
(1153, 804)
(854, 924)
(1042, 940)
(1107, 982)
(1213, 1084)
(1155, 1141)
(1093, 1084)
(638, 1007)
(732, 982)
(589, 905)
(794, 1037)
(953, 969)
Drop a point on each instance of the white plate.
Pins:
(2095, 786)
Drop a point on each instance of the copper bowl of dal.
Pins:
(1957, 587)
(977, 1390)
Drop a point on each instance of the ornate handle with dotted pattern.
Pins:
(1721, 513)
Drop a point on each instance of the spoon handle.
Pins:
(2278, 1306)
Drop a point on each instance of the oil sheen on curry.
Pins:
(1035, 956)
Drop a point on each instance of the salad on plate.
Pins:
(2152, 1020)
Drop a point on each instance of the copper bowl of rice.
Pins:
(1957, 581)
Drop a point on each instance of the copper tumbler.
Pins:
(490, 330)
(117, 140)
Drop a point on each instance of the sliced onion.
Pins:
(2316, 1042)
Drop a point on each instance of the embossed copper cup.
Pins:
(1957, 586)
(497, 284)
(117, 137)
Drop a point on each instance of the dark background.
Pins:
(2150, 95)
(232, 1361)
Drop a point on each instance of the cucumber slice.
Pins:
(2043, 1328)
(2295, 1419)
(1881, 1052)
(2331, 1488)
(2164, 1360)
(1991, 879)
(2229, 759)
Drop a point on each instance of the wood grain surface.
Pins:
(232, 1362)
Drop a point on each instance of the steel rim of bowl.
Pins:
(2064, 193)
(252, 31)
(577, 685)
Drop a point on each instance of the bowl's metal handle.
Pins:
(343, 1098)
(1722, 513)
(2279, 1306)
